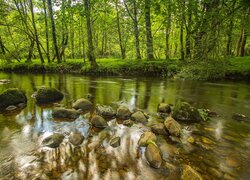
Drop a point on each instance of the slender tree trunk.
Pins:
(2, 46)
(243, 43)
(136, 32)
(54, 31)
(35, 32)
(188, 33)
(181, 43)
(167, 30)
(46, 31)
(229, 39)
(91, 50)
(239, 42)
(150, 52)
(31, 49)
(119, 30)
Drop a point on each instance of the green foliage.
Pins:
(204, 70)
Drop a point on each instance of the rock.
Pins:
(232, 161)
(153, 155)
(128, 123)
(76, 138)
(53, 141)
(164, 108)
(183, 111)
(21, 105)
(71, 114)
(139, 117)
(11, 108)
(147, 137)
(159, 129)
(105, 111)
(83, 104)
(240, 117)
(190, 174)
(5, 81)
(115, 142)
(47, 95)
(98, 122)
(173, 127)
(12, 96)
(123, 113)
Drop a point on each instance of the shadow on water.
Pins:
(221, 148)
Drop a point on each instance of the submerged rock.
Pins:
(115, 142)
(83, 104)
(164, 108)
(159, 129)
(240, 117)
(65, 113)
(139, 117)
(123, 113)
(53, 141)
(105, 111)
(98, 122)
(190, 174)
(11, 97)
(128, 123)
(47, 95)
(11, 108)
(173, 127)
(153, 155)
(76, 138)
(183, 111)
(147, 137)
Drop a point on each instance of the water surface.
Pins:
(221, 149)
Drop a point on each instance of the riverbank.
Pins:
(234, 68)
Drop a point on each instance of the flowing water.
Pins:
(220, 151)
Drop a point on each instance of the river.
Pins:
(221, 149)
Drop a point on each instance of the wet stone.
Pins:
(71, 114)
(128, 123)
(83, 104)
(189, 173)
(123, 113)
(105, 111)
(164, 108)
(99, 122)
(153, 155)
(146, 138)
(139, 117)
(11, 108)
(159, 129)
(214, 172)
(76, 138)
(115, 142)
(53, 141)
(173, 127)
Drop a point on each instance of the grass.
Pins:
(233, 68)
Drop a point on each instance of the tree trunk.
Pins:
(136, 32)
(31, 49)
(2, 46)
(119, 30)
(54, 31)
(167, 30)
(91, 50)
(46, 31)
(243, 44)
(181, 43)
(150, 53)
(35, 31)
(239, 42)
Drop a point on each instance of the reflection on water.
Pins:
(220, 151)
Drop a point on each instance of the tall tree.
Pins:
(91, 50)
(46, 30)
(53, 28)
(149, 37)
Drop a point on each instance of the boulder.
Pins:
(53, 141)
(115, 142)
(164, 108)
(128, 123)
(173, 127)
(47, 95)
(123, 113)
(71, 114)
(139, 117)
(12, 96)
(105, 111)
(147, 137)
(159, 129)
(153, 155)
(183, 111)
(83, 104)
(190, 173)
(76, 138)
(98, 122)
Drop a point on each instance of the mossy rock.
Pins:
(12, 96)
(183, 111)
(48, 95)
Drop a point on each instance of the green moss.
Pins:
(48, 95)
(12, 96)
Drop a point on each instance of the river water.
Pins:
(220, 151)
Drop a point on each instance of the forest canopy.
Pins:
(189, 30)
